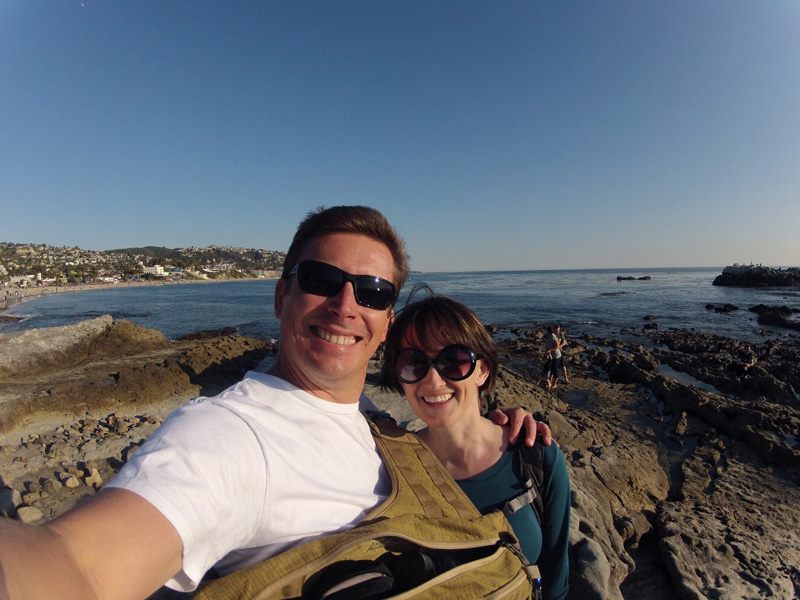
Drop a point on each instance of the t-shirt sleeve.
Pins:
(554, 559)
(205, 471)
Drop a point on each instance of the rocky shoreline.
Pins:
(685, 466)
(76, 401)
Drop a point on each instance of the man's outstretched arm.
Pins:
(116, 545)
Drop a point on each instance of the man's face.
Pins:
(326, 342)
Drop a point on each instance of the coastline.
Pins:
(11, 297)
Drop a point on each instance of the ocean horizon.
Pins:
(582, 300)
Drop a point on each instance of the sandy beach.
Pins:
(685, 471)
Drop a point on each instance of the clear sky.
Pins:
(494, 135)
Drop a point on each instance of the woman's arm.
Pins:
(554, 559)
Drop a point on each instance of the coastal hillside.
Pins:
(684, 465)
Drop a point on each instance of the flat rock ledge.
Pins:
(680, 490)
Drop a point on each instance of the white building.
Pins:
(156, 270)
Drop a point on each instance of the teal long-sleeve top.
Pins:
(545, 545)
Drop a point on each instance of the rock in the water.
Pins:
(758, 276)
(778, 316)
(721, 308)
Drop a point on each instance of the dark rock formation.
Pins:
(721, 308)
(778, 316)
(758, 276)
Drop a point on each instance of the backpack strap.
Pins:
(421, 484)
(531, 467)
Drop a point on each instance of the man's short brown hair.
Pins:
(362, 220)
(436, 321)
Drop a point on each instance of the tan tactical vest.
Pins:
(426, 540)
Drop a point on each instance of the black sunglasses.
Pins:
(322, 279)
(454, 362)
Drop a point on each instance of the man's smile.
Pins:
(329, 336)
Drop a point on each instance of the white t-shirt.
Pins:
(252, 471)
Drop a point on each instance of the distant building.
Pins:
(220, 268)
(156, 270)
(22, 281)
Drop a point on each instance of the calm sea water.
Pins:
(582, 300)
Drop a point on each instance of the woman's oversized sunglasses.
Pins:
(454, 362)
(322, 279)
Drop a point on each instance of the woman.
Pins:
(444, 334)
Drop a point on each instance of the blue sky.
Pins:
(494, 135)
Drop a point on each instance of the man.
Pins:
(275, 459)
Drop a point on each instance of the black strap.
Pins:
(531, 466)
(378, 415)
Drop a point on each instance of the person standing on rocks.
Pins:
(749, 359)
(562, 342)
(278, 458)
(552, 349)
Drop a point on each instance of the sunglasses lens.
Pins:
(411, 365)
(374, 292)
(319, 278)
(456, 363)
(322, 279)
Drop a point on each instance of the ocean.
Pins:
(591, 301)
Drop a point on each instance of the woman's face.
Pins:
(439, 401)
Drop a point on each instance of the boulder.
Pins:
(94, 479)
(29, 514)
